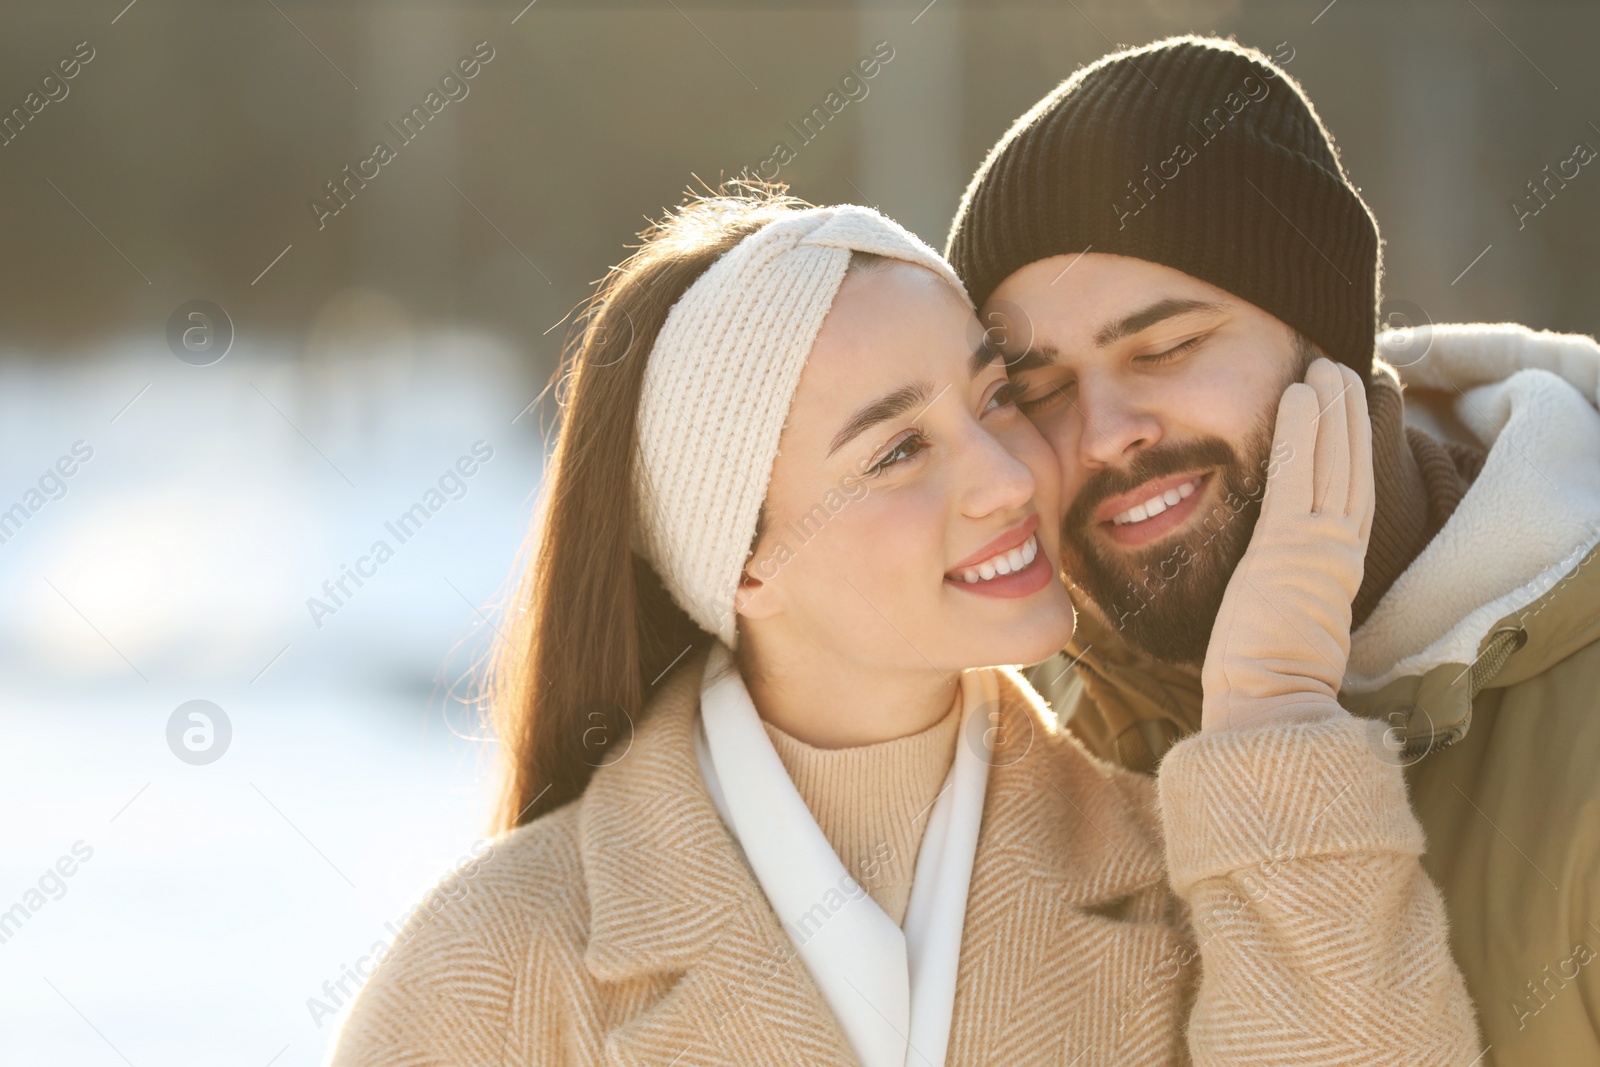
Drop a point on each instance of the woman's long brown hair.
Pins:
(591, 629)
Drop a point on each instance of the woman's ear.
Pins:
(756, 598)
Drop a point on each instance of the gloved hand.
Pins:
(1282, 636)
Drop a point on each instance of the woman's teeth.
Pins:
(1004, 563)
(1157, 504)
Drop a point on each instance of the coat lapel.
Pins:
(672, 900)
(1069, 904)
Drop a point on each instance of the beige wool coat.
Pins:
(1261, 903)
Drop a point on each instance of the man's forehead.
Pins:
(1088, 301)
(1070, 269)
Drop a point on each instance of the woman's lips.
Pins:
(1012, 538)
(1032, 577)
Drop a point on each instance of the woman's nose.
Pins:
(996, 480)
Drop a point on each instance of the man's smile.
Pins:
(1152, 510)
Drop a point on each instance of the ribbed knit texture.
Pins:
(1419, 482)
(1296, 926)
(872, 801)
(718, 389)
(1195, 153)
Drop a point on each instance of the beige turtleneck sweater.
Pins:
(872, 802)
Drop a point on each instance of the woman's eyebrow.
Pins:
(1148, 316)
(882, 409)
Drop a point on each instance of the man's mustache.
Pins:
(1158, 462)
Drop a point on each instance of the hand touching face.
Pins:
(1157, 392)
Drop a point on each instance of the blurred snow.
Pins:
(177, 565)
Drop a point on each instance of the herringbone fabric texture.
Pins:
(625, 929)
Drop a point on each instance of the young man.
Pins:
(1160, 246)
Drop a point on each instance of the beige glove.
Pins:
(1282, 637)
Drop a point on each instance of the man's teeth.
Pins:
(1156, 504)
(1004, 563)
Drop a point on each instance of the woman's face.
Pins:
(910, 519)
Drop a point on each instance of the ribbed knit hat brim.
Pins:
(1194, 153)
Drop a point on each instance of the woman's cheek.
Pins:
(896, 539)
(1024, 441)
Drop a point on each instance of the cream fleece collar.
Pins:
(1529, 517)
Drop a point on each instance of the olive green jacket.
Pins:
(1480, 671)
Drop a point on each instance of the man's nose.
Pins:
(1115, 426)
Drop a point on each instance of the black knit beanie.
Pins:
(1195, 153)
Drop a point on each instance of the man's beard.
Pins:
(1164, 598)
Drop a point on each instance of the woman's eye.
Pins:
(1171, 353)
(899, 452)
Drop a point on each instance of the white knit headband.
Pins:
(718, 388)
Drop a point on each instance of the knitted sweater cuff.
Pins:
(1261, 795)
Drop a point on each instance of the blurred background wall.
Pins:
(372, 348)
(199, 131)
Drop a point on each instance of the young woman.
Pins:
(769, 801)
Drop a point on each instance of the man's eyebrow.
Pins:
(982, 356)
(1032, 359)
(886, 407)
(1148, 316)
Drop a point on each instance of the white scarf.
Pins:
(892, 989)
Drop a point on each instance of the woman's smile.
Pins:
(948, 553)
(1008, 567)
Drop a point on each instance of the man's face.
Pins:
(1158, 393)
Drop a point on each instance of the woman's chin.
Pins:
(1037, 632)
